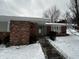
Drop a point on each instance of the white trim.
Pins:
(8, 26)
(59, 24)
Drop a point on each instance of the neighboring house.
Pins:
(22, 29)
(60, 28)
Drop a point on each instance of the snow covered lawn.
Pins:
(67, 45)
(33, 51)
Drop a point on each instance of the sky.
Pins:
(30, 8)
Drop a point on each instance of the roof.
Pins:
(18, 18)
(58, 24)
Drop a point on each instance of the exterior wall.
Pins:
(56, 28)
(19, 32)
(3, 26)
(34, 29)
(42, 30)
(63, 31)
(48, 29)
(22, 32)
(4, 32)
(45, 30)
(3, 35)
(33, 33)
(60, 29)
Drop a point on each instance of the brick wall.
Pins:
(19, 32)
(3, 35)
(63, 31)
(48, 29)
(33, 33)
(34, 29)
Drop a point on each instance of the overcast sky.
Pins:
(30, 8)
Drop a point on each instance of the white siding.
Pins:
(56, 28)
(59, 29)
(3, 26)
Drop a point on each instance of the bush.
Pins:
(52, 35)
(6, 41)
(33, 39)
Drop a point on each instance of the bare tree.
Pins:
(68, 17)
(75, 10)
(52, 13)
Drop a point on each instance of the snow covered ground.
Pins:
(68, 45)
(33, 51)
(73, 32)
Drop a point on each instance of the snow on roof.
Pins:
(8, 18)
(33, 51)
(59, 24)
(18, 18)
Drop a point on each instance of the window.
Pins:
(4, 26)
(39, 31)
(59, 29)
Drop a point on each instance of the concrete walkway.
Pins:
(49, 51)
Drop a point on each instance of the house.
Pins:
(60, 28)
(21, 30)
